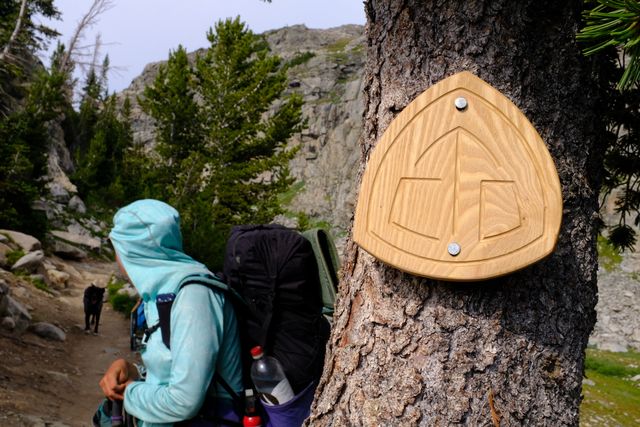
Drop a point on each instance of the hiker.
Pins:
(204, 337)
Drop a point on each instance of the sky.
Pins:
(137, 32)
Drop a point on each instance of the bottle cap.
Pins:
(256, 352)
(252, 421)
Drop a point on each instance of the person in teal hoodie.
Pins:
(204, 337)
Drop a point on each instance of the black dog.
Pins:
(92, 307)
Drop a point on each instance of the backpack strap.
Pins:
(216, 285)
(328, 262)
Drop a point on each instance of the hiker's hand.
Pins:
(119, 375)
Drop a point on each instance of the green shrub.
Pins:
(121, 302)
(608, 256)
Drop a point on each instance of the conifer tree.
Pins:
(102, 137)
(179, 125)
(223, 145)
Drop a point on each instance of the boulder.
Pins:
(58, 279)
(48, 331)
(92, 243)
(77, 205)
(18, 313)
(128, 289)
(4, 250)
(29, 263)
(4, 293)
(27, 243)
(52, 210)
(67, 250)
(58, 192)
(8, 323)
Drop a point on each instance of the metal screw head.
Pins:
(453, 248)
(461, 103)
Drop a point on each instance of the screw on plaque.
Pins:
(453, 249)
(461, 103)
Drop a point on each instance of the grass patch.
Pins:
(608, 256)
(614, 399)
(121, 302)
(300, 59)
(14, 256)
(40, 284)
(338, 46)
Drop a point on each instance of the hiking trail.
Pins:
(47, 383)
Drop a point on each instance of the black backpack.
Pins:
(276, 271)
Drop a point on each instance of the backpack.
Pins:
(288, 282)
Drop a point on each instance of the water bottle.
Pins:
(251, 417)
(269, 379)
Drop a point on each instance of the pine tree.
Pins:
(179, 125)
(103, 136)
(222, 146)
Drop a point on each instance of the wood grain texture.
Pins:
(480, 177)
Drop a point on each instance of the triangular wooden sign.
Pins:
(460, 187)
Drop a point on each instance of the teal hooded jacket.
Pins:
(204, 337)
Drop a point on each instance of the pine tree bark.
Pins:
(410, 351)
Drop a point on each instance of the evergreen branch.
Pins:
(614, 23)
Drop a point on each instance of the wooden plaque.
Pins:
(459, 187)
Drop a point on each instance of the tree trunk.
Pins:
(406, 350)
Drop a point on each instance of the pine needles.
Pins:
(615, 23)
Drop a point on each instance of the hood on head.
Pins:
(146, 236)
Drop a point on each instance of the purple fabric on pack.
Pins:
(294, 412)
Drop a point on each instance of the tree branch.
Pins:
(16, 31)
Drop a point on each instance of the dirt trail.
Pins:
(55, 384)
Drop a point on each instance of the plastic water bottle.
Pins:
(251, 417)
(269, 379)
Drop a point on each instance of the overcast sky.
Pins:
(136, 32)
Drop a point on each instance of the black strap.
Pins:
(149, 331)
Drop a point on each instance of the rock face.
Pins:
(329, 78)
(618, 325)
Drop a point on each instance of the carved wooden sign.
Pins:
(459, 187)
